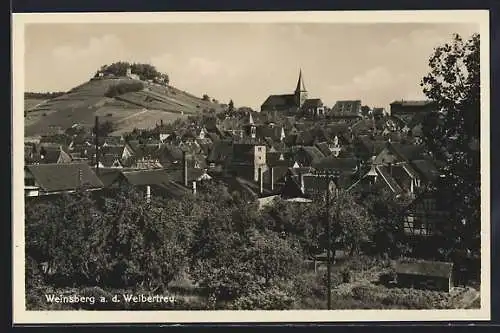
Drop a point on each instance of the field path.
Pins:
(132, 116)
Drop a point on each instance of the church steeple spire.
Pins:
(300, 91)
(301, 87)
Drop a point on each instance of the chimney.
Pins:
(302, 185)
(271, 171)
(184, 168)
(194, 187)
(148, 193)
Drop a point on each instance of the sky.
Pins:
(376, 63)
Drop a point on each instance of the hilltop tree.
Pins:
(144, 71)
(205, 97)
(452, 136)
(231, 106)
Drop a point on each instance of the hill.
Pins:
(133, 109)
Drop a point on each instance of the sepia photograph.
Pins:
(189, 167)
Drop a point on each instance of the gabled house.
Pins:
(56, 178)
(306, 184)
(308, 155)
(220, 153)
(401, 169)
(347, 108)
(248, 160)
(428, 216)
(334, 164)
(49, 155)
(367, 148)
(406, 110)
(313, 107)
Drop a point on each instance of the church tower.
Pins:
(300, 91)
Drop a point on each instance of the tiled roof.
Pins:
(49, 155)
(312, 103)
(407, 151)
(333, 163)
(109, 176)
(412, 103)
(371, 146)
(108, 160)
(346, 107)
(313, 153)
(324, 148)
(220, 152)
(115, 150)
(273, 159)
(147, 177)
(305, 138)
(273, 132)
(279, 101)
(390, 181)
(425, 268)
(64, 176)
(337, 128)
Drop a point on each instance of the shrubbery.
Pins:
(125, 243)
(269, 299)
(123, 87)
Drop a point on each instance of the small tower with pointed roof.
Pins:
(300, 91)
(251, 128)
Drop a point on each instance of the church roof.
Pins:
(286, 100)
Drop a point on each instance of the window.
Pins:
(259, 149)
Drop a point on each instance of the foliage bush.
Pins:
(268, 299)
(124, 87)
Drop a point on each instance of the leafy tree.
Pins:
(232, 253)
(296, 220)
(118, 68)
(105, 128)
(206, 97)
(452, 136)
(385, 212)
(61, 234)
(231, 106)
(124, 87)
(144, 242)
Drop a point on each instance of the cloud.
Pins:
(372, 79)
(204, 67)
(375, 77)
(163, 62)
(96, 46)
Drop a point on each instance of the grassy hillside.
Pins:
(140, 109)
(30, 103)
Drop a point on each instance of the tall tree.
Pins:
(452, 135)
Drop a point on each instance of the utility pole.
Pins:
(328, 233)
(96, 130)
(328, 243)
